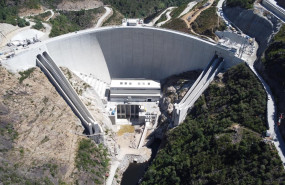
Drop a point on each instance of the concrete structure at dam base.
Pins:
(126, 53)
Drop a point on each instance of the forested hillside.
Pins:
(142, 8)
(247, 4)
(274, 59)
(220, 141)
(9, 12)
(70, 21)
(281, 3)
(274, 71)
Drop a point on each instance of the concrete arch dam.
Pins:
(123, 52)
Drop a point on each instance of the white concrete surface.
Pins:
(125, 52)
(168, 17)
(103, 18)
(112, 172)
(47, 32)
(188, 8)
(27, 34)
(220, 4)
(142, 139)
(200, 85)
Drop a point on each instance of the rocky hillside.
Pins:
(253, 24)
(38, 140)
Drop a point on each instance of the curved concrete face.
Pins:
(80, 53)
(129, 52)
(133, 52)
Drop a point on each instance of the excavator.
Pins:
(280, 119)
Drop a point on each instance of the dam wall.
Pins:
(126, 52)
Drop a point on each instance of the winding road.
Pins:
(52, 14)
(152, 23)
(168, 17)
(108, 12)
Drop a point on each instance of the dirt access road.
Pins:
(192, 15)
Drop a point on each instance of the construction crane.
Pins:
(280, 119)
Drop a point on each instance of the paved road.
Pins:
(168, 17)
(112, 172)
(152, 22)
(103, 18)
(52, 14)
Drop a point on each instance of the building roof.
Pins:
(135, 83)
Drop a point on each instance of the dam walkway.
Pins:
(52, 71)
(199, 86)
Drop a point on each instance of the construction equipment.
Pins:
(280, 119)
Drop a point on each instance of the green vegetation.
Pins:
(220, 140)
(31, 4)
(42, 16)
(274, 58)
(176, 24)
(39, 25)
(281, 3)
(22, 22)
(208, 22)
(152, 16)
(25, 74)
(9, 11)
(115, 19)
(9, 131)
(162, 18)
(45, 139)
(126, 129)
(247, 4)
(93, 159)
(130, 8)
(177, 11)
(53, 169)
(73, 21)
(22, 151)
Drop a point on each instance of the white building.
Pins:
(134, 90)
(132, 22)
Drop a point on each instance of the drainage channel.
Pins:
(136, 171)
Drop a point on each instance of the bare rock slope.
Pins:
(36, 130)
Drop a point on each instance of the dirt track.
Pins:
(194, 14)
